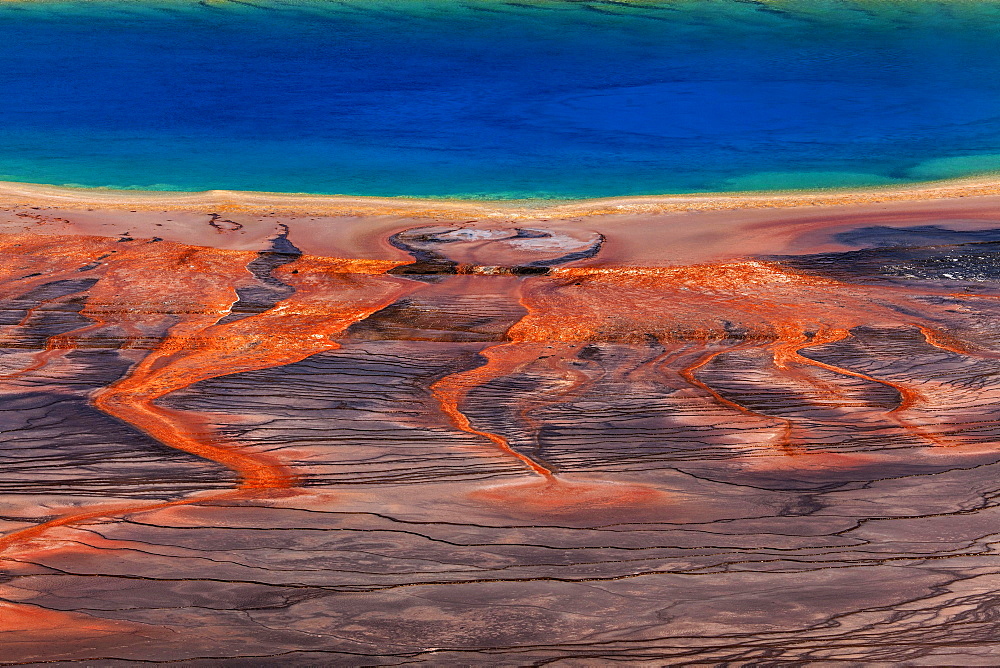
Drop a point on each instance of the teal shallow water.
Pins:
(485, 99)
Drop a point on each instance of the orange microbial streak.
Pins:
(30, 260)
(330, 296)
(29, 626)
(547, 493)
(174, 297)
(688, 373)
(738, 305)
(501, 361)
(942, 341)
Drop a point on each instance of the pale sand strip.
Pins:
(665, 231)
(25, 194)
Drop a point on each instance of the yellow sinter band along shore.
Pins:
(28, 194)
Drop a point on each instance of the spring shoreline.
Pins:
(27, 194)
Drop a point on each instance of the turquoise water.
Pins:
(491, 99)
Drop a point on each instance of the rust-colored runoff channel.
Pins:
(178, 294)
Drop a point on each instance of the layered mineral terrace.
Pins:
(754, 435)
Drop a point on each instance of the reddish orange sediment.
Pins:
(942, 341)
(177, 294)
(22, 537)
(629, 305)
(554, 495)
(30, 260)
(501, 361)
(330, 296)
(550, 494)
(25, 623)
(756, 303)
(783, 441)
(908, 397)
(171, 297)
(793, 341)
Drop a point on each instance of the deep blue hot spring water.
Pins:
(493, 99)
